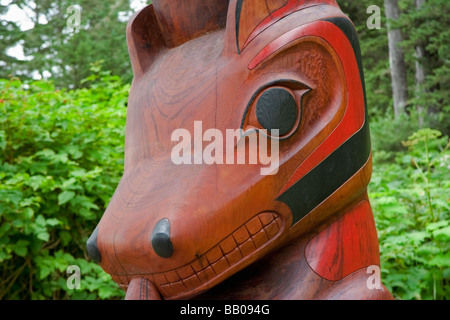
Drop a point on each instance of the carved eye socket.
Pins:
(276, 106)
(277, 109)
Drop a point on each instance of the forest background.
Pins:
(64, 81)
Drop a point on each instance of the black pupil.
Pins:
(277, 109)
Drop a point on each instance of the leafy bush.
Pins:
(61, 156)
(387, 142)
(410, 199)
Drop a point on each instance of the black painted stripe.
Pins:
(238, 22)
(328, 176)
(321, 182)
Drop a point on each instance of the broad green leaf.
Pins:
(441, 260)
(44, 272)
(44, 236)
(437, 225)
(442, 234)
(418, 236)
(18, 223)
(28, 213)
(65, 197)
(52, 222)
(40, 221)
(21, 248)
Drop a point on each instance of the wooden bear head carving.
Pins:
(287, 74)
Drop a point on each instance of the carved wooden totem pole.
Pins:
(286, 71)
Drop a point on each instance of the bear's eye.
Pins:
(276, 108)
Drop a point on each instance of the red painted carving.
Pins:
(346, 246)
(202, 226)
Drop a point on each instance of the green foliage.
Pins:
(388, 134)
(57, 48)
(411, 204)
(429, 27)
(61, 157)
(374, 48)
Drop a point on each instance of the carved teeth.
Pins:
(230, 251)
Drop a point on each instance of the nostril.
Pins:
(92, 249)
(161, 239)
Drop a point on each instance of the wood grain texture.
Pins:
(349, 244)
(286, 274)
(254, 17)
(144, 39)
(183, 20)
(209, 63)
(251, 14)
(142, 289)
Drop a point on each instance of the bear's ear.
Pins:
(170, 23)
(184, 20)
(144, 39)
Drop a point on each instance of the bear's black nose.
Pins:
(92, 249)
(161, 239)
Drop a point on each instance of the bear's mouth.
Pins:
(227, 257)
